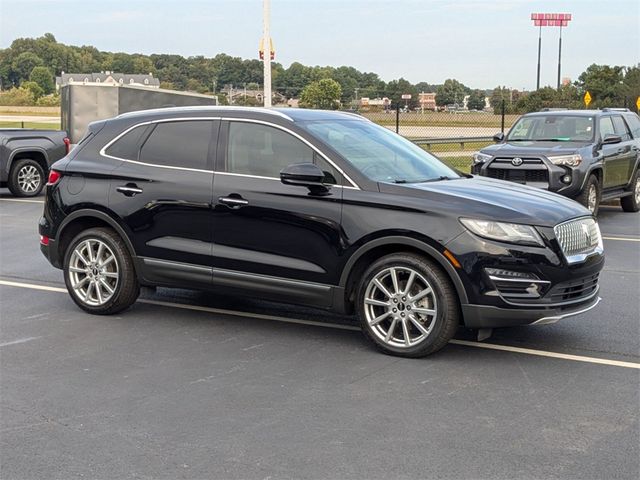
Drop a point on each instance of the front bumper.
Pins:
(484, 316)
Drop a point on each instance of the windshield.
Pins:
(553, 128)
(378, 153)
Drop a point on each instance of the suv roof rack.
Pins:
(612, 109)
(547, 109)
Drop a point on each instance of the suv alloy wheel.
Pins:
(26, 178)
(407, 305)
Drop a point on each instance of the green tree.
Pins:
(323, 93)
(605, 84)
(42, 76)
(24, 64)
(476, 100)
(396, 88)
(35, 89)
(452, 91)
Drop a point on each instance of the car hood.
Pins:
(485, 198)
(525, 149)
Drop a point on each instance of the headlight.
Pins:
(567, 160)
(504, 232)
(479, 157)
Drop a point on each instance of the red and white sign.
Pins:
(406, 96)
(551, 19)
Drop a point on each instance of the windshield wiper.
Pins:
(423, 180)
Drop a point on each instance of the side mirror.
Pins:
(498, 137)
(304, 175)
(611, 139)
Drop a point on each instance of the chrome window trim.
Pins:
(103, 150)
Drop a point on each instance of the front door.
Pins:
(164, 196)
(269, 231)
(617, 157)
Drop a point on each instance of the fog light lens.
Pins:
(566, 179)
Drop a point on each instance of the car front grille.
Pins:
(531, 170)
(578, 239)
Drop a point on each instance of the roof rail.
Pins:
(548, 109)
(196, 108)
(613, 109)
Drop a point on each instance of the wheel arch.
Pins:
(36, 154)
(86, 218)
(380, 247)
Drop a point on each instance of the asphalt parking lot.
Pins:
(192, 385)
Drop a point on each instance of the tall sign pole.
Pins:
(550, 20)
(559, 56)
(539, 50)
(266, 42)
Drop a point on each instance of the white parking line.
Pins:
(466, 343)
(622, 239)
(21, 200)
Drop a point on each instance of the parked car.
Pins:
(587, 155)
(317, 208)
(25, 158)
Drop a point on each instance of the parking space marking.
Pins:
(465, 343)
(18, 341)
(622, 239)
(20, 200)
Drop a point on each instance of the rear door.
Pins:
(164, 193)
(629, 150)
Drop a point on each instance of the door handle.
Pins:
(233, 202)
(129, 190)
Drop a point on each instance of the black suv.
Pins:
(316, 208)
(587, 155)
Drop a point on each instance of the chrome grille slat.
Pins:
(579, 238)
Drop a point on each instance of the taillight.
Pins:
(67, 144)
(44, 240)
(54, 177)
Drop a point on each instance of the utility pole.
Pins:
(266, 35)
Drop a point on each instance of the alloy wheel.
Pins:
(400, 307)
(637, 190)
(29, 179)
(93, 271)
(592, 200)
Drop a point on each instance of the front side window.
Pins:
(263, 151)
(606, 127)
(378, 153)
(182, 144)
(552, 128)
(621, 128)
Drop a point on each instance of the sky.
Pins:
(479, 42)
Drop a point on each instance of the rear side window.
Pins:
(621, 128)
(127, 146)
(179, 144)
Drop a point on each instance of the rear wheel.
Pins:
(407, 306)
(99, 272)
(590, 195)
(631, 203)
(26, 178)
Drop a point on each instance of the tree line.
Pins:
(30, 65)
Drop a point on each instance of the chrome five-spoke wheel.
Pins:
(93, 272)
(400, 306)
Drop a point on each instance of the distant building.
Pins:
(427, 100)
(107, 78)
(374, 102)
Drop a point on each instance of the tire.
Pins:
(587, 198)
(632, 202)
(26, 178)
(439, 314)
(89, 283)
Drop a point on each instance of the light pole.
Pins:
(266, 45)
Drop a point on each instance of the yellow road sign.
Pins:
(587, 99)
(638, 103)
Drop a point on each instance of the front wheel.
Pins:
(407, 305)
(590, 196)
(99, 272)
(631, 203)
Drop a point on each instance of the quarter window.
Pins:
(179, 144)
(264, 151)
(127, 146)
